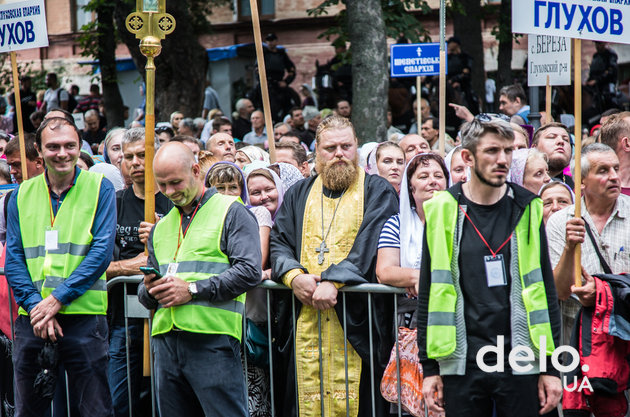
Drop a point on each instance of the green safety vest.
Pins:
(199, 257)
(73, 222)
(442, 221)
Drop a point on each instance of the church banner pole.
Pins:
(548, 101)
(150, 23)
(419, 103)
(442, 122)
(262, 75)
(18, 111)
(577, 177)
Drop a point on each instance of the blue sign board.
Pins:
(415, 59)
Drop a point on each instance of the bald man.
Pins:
(221, 146)
(413, 144)
(207, 250)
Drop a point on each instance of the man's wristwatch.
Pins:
(192, 290)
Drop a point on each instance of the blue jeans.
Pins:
(117, 370)
(83, 353)
(199, 375)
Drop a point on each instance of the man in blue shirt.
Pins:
(57, 272)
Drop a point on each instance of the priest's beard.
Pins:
(338, 174)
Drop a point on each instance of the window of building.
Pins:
(81, 16)
(266, 8)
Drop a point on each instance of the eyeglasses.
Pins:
(163, 129)
(488, 117)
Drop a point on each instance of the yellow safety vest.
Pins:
(199, 257)
(73, 223)
(445, 299)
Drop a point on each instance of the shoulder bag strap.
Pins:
(602, 261)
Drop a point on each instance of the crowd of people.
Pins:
(482, 240)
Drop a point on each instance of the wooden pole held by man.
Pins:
(577, 177)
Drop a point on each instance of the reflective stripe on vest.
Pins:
(534, 293)
(441, 220)
(199, 257)
(73, 222)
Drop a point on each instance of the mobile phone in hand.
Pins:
(147, 270)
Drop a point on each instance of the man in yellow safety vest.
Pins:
(207, 250)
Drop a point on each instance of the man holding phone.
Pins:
(208, 250)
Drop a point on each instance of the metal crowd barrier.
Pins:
(133, 309)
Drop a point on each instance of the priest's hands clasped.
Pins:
(311, 290)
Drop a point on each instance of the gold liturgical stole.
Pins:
(340, 239)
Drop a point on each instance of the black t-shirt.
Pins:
(130, 212)
(486, 309)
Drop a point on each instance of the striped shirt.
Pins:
(390, 234)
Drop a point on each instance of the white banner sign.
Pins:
(548, 55)
(22, 25)
(598, 20)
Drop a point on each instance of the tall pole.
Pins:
(534, 107)
(419, 103)
(548, 100)
(18, 110)
(577, 178)
(442, 123)
(150, 23)
(262, 75)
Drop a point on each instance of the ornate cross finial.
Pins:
(150, 19)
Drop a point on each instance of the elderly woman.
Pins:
(400, 242)
(457, 169)
(555, 196)
(529, 169)
(266, 188)
(228, 179)
(249, 154)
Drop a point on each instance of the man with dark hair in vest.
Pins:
(486, 287)
(60, 237)
(207, 250)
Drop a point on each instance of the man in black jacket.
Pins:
(486, 286)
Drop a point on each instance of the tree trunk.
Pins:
(107, 60)
(369, 69)
(467, 26)
(504, 72)
(180, 68)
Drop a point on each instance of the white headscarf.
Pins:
(411, 228)
(111, 173)
(447, 161)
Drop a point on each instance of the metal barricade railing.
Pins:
(368, 289)
(133, 309)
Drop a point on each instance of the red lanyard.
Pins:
(494, 253)
(181, 236)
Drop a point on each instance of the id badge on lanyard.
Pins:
(495, 270)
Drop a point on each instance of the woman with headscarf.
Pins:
(529, 169)
(555, 196)
(457, 169)
(228, 179)
(266, 187)
(248, 154)
(112, 152)
(400, 242)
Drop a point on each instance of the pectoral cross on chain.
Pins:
(321, 250)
